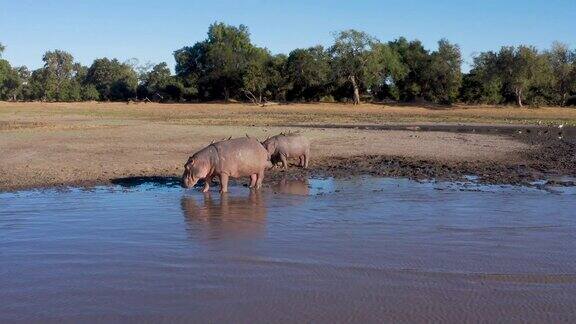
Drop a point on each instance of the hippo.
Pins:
(284, 146)
(239, 157)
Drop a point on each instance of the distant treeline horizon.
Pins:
(356, 67)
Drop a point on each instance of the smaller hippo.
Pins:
(239, 157)
(284, 146)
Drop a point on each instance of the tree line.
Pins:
(356, 67)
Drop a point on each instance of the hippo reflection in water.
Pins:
(226, 217)
(236, 217)
(293, 187)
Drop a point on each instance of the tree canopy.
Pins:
(356, 60)
(112, 79)
(227, 65)
(512, 74)
(307, 72)
(563, 72)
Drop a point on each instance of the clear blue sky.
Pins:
(152, 30)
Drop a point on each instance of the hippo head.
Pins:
(270, 146)
(194, 170)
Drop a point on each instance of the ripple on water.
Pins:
(360, 249)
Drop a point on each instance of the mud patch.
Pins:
(518, 131)
(552, 158)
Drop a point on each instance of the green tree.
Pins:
(393, 70)
(263, 79)
(563, 64)
(416, 61)
(190, 66)
(113, 80)
(159, 84)
(225, 65)
(22, 91)
(84, 90)
(482, 84)
(445, 73)
(519, 69)
(157, 79)
(9, 80)
(356, 60)
(56, 80)
(228, 53)
(191, 61)
(255, 78)
(514, 73)
(277, 84)
(90, 93)
(476, 90)
(308, 73)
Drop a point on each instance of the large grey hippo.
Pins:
(239, 157)
(284, 146)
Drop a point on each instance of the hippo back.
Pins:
(292, 145)
(241, 156)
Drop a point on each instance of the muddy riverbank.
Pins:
(551, 156)
(546, 158)
(79, 145)
(550, 161)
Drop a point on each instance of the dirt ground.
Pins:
(45, 145)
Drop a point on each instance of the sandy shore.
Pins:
(44, 145)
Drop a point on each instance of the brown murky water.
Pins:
(359, 250)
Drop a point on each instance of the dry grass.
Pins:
(293, 114)
(59, 143)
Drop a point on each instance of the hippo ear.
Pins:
(229, 138)
(212, 142)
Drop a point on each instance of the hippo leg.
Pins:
(223, 183)
(253, 179)
(284, 161)
(260, 179)
(306, 160)
(207, 182)
(301, 161)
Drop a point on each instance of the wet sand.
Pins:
(51, 145)
(297, 251)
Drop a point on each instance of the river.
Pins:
(322, 250)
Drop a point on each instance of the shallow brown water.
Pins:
(362, 250)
